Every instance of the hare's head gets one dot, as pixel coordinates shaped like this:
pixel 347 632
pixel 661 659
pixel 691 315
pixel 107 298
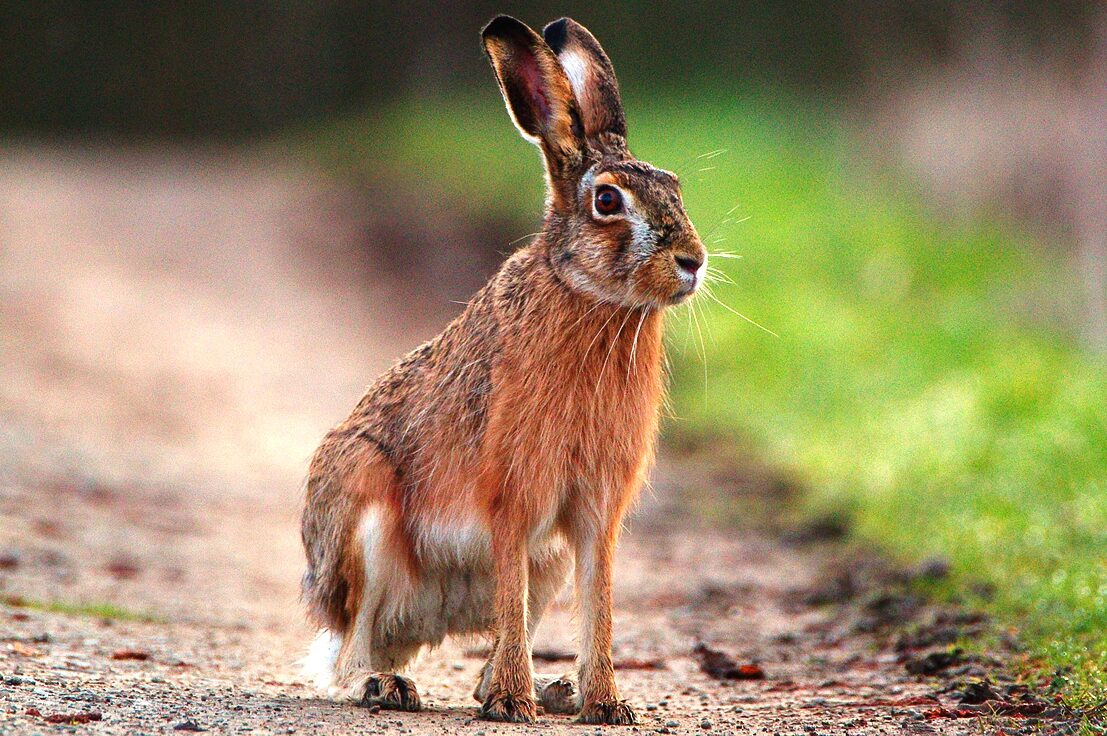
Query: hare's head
pixel 615 226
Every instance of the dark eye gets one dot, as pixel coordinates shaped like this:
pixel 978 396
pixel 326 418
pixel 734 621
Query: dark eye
pixel 608 200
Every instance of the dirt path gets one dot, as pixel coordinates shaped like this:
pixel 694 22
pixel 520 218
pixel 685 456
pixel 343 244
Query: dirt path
pixel 170 358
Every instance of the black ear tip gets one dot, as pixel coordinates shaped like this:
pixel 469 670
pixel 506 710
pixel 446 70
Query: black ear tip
pixel 502 26
pixel 557 34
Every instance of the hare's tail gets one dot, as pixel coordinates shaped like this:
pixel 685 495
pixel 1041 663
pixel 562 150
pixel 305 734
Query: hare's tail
pixel 318 664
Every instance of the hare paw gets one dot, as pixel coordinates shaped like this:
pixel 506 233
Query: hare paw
pixel 501 706
pixel 611 713
pixel 390 692
pixel 558 696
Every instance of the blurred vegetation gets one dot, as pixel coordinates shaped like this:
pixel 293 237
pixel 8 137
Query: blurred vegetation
pixel 227 68
pixel 921 381
pixel 100 610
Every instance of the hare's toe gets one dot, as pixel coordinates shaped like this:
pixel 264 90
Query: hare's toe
pixel 501 706
pixel 611 713
pixel 390 692
pixel 557 695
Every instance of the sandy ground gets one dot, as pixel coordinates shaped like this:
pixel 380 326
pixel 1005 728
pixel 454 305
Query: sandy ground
pixel 178 332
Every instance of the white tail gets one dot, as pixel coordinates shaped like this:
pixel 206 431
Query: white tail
pixel 318 664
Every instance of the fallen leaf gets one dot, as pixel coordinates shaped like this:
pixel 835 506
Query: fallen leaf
pixel 553 655
pixel 188 726
pixel 23 650
pixel 933 663
pixel 722 666
pixel 640 664
pixel 933 715
pixel 73 719
pixel 122 569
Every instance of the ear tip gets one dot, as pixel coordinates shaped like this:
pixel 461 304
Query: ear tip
pixel 502 25
pixel 556 34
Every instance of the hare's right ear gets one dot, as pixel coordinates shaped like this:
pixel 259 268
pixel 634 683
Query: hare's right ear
pixel 536 90
pixel 593 79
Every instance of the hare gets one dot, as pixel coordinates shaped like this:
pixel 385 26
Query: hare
pixel 476 470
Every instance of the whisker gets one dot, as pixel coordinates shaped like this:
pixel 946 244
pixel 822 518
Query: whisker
pixel 736 313
pixel 703 347
pixel 599 331
pixel 718 275
pixel 610 350
pixel 702 157
pixel 707 322
pixel 524 237
pixel 634 343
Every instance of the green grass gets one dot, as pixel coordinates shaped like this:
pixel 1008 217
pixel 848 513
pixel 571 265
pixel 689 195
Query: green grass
pixel 923 380
pixel 86 610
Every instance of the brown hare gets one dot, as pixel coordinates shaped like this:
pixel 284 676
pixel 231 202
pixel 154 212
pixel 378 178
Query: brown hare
pixel 478 468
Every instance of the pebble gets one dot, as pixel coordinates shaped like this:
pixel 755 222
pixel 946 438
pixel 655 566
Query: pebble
pixel 671 724
pixel 705 724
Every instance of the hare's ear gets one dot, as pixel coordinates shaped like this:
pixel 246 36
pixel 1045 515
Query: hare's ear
pixel 592 77
pixel 536 90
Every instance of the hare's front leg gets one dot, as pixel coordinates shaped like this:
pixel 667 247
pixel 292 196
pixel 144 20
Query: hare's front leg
pixel 594 560
pixel 510 694
pixel 546 578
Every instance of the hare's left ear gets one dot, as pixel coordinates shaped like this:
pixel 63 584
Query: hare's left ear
pixel 536 90
pixel 592 77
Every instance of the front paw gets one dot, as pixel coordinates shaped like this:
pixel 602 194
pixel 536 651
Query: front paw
pixel 610 712
pixel 501 706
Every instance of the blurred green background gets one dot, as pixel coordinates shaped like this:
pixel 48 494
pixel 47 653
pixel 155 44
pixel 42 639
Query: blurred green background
pixel 911 196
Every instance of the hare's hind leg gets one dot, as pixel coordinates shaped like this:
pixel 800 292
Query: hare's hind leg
pixel 368 675
pixel 366 670
pixel 382 686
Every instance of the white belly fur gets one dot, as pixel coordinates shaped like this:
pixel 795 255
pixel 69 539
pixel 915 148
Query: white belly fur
pixel 454 591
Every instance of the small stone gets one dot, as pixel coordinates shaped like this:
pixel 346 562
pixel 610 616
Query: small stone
pixel 672 724
pixel 9 559
pixel 651 706
pixel 705 724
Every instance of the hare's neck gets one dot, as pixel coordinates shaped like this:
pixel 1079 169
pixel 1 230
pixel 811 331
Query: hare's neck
pixel 610 343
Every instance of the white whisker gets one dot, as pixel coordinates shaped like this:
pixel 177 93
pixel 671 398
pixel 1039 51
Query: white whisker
pixel 736 313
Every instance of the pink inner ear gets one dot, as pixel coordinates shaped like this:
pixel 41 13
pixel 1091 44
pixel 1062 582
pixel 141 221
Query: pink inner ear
pixel 531 74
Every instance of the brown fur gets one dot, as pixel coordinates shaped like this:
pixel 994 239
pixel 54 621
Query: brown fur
pixel 535 411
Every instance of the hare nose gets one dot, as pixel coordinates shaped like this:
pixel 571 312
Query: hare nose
pixel 689 264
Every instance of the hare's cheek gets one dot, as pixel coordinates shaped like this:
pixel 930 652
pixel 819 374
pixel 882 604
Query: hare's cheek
pixel 652 284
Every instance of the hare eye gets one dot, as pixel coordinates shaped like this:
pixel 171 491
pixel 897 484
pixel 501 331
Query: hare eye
pixel 608 201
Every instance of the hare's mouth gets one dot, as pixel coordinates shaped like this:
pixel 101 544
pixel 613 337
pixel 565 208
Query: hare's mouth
pixel 684 294
pixel 690 272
